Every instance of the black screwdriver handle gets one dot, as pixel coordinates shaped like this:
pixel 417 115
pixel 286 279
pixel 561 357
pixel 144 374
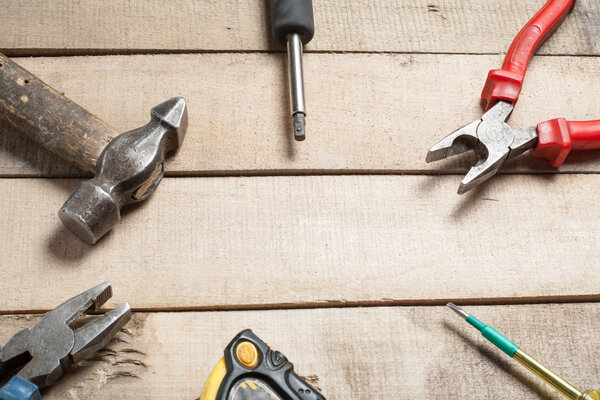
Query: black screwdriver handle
pixel 292 16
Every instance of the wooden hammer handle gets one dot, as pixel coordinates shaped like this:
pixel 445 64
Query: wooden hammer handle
pixel 51 119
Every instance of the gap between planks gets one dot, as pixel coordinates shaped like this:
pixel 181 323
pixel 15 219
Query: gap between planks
pixel 492 301
pixel 22 53
pixel 301 173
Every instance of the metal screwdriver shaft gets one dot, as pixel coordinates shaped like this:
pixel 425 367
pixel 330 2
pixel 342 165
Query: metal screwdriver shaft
pixel 293 26
pixel 511 349
pixel 296 81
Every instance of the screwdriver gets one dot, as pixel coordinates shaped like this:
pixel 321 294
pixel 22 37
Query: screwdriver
pixel 293 26
pixel 504 344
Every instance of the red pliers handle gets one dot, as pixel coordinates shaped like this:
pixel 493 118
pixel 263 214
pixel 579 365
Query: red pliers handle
pixel 557 137
pixel 492 140
pixel 505 84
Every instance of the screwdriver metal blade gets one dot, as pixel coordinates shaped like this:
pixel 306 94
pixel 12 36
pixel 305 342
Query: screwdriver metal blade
pixel 296 83
pixel 299 127
pixel 458 310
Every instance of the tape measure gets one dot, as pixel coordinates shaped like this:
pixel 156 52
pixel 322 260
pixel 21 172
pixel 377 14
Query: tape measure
pixel 250 370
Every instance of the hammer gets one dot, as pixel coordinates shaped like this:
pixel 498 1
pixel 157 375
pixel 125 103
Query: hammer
pixel 128 166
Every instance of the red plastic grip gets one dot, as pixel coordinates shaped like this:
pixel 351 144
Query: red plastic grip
pixel 557 137
pixel 505 84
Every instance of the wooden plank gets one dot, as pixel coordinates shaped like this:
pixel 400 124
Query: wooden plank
pixel 388 112
pixel 212 243
pixel 447 26
pixel 364 353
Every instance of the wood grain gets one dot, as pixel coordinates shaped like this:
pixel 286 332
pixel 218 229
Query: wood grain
pixel 226 243
pixel 384 81
pixel 355 353
pixel 384 117
pixel 61 27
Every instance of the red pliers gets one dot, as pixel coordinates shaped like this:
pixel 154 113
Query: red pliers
pixel 490 137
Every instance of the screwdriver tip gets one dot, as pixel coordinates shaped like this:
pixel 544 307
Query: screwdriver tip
pixel 299 126
pixel 458 310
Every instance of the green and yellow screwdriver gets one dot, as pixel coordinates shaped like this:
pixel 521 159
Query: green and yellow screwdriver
pixel 498 339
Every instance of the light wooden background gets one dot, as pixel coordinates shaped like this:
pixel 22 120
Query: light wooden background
pixel 339 251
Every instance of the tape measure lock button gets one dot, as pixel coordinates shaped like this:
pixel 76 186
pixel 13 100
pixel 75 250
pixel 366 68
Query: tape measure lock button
pixel 278 359
pixel 247 354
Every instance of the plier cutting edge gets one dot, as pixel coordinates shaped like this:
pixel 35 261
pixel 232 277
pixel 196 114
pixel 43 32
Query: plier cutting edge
pixel 492 140
pixel 41 354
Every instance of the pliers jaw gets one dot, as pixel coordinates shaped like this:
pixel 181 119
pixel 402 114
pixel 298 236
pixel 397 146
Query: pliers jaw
pixel 45 351
pixel 458 142
pixel 492 140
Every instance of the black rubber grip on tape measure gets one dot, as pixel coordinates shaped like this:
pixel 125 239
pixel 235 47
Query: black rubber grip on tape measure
pixel 292 16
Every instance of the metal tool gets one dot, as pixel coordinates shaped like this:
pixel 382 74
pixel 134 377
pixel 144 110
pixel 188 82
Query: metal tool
pixel 250 370
pixel 40 355
pixel 512 350
pixel 492 140
pixel 128 166
pixel 293 26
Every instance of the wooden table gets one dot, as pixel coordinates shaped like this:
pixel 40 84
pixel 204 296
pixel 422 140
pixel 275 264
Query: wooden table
pixel 339 251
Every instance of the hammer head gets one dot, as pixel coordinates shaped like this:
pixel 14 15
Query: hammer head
pixel 128 171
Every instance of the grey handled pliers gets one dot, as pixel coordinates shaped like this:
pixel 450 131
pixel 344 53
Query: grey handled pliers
pixel 38 356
